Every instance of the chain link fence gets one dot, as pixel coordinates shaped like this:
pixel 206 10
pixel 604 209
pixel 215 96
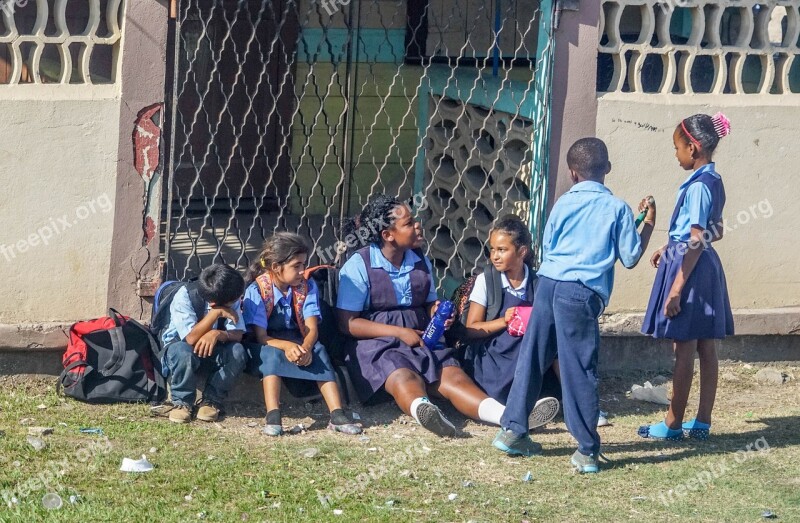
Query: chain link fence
pixel 289 115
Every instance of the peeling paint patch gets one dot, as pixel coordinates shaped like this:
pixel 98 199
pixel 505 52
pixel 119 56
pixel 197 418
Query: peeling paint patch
pixel 146 141
pixel 149 230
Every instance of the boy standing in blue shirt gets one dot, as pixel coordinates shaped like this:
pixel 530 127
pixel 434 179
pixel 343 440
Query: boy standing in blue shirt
pixel 587 232
pixel 212 340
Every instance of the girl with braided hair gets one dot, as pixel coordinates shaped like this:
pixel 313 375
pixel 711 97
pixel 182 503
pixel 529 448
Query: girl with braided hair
pixel 386 297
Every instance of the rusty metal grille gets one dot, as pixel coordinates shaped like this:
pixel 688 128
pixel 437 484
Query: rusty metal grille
pixel 289 115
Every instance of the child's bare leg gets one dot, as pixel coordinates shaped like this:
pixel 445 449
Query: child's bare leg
pixel 557 369
pixel 681 382
pixel 709 374
pixel 405 386
pixel 330 393
pixel 272 392
pixel 461 391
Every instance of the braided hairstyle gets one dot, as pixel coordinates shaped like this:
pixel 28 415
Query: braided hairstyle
pixel 704 131
pixel 280 248
pixel 513 226
pixel 378 215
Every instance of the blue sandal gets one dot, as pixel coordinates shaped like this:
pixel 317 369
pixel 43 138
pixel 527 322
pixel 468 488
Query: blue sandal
pixel 696 429
pixel 660 431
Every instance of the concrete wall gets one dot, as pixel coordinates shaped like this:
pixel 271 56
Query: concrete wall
pixel 73 241
pixel 757 162
pixel 58 147
pixel 134 262
pixel 574 102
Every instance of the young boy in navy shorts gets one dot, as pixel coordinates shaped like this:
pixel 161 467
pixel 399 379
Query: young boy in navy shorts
pixel 587 232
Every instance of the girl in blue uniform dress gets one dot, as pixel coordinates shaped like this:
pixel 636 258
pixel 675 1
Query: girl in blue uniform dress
pixel 281 311
pixel 386 298
pixel 689 302
pixel 491 359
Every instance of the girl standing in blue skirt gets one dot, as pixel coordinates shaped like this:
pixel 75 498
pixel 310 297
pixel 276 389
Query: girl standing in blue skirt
pixel 281 311
pixel 689 303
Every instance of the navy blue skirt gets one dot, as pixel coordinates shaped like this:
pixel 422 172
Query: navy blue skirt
pixel 266 360
pixel 370 362
pixel 705 305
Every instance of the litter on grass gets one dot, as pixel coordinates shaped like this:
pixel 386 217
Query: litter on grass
pixel 651 393
pixel 52 501
pixel 136 465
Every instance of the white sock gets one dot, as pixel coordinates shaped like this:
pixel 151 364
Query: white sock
pixel 415 404
pixel 490 410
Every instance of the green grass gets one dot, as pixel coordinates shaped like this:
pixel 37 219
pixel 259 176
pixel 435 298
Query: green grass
pixel 235 474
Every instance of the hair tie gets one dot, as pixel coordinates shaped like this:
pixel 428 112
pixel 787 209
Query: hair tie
pixel 722 126
pixel 692 138
pixel 263 263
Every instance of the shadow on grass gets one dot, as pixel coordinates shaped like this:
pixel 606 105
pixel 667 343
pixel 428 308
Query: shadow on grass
pixel 779 432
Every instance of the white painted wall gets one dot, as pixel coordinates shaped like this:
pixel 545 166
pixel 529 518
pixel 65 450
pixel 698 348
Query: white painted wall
pixel 58 163
pixel 759 163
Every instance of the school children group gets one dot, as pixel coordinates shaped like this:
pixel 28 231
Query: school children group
pixel 268 322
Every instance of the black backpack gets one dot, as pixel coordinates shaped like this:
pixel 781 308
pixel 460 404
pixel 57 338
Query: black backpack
pixel 327 279
pixel 111 359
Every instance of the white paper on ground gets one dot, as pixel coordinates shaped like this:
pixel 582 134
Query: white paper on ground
pixel 136 465
pixel 650 393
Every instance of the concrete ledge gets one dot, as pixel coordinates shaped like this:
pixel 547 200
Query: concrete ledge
pixel 27 336
pixel 749 322
pixel 619 355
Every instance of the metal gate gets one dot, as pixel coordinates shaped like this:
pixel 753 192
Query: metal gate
pixel 289 114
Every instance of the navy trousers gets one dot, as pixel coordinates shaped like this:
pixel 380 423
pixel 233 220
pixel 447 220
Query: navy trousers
pixel 564 322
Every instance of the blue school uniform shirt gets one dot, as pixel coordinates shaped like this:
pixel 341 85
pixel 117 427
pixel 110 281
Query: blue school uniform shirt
pixel 480 296
pixel 696 208
pixel 183 318
pixel 587 231
pixel 255 313
pixel 354 282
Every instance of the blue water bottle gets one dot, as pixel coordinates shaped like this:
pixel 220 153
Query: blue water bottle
pixel 435 330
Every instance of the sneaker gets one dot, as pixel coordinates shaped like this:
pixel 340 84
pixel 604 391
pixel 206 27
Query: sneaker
pixel 602 420
pixel 208 412
pixel 345 428
pixel 180 414
pixel 543 413
pixel 516 445
pixel 161 410
pixel 585 464
pixel 431 418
